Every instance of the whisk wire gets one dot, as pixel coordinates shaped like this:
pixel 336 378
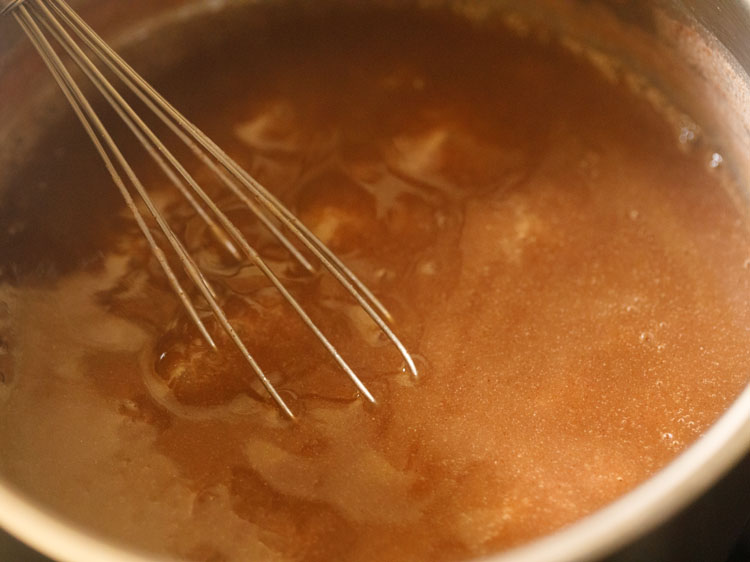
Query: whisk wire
pixel 113 97
pixel 107 55
pixel 140 128
pixel 89 120
pixel 330 261
pixel 97 133
pixel 52 14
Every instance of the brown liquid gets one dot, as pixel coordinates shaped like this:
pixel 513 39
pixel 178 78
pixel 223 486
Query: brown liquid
pixel 570 276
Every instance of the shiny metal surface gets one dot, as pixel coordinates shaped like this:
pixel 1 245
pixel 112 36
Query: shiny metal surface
pixel 53 22
pixel 7 5
pixel 710 41
pixel 728 21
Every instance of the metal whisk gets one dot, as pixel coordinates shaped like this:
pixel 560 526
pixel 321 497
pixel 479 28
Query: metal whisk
pixel 48 22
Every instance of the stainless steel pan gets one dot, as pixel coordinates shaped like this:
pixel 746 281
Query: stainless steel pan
pixel 698 50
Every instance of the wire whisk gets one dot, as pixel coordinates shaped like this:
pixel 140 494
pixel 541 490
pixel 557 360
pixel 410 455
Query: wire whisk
pixel 53 22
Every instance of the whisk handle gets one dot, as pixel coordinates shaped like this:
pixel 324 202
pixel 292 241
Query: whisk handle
pixel 7 5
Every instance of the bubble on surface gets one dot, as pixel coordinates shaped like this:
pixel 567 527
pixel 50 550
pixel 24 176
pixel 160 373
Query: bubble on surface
pixel 689 133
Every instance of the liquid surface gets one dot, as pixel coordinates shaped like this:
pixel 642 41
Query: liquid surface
pixel 568 270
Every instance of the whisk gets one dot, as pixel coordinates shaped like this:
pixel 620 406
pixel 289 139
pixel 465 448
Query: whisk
pixel 53 22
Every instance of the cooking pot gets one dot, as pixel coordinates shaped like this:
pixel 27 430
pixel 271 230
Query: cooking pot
pixel 696 50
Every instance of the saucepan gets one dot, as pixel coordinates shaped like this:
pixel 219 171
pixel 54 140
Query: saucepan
pixel 698 50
